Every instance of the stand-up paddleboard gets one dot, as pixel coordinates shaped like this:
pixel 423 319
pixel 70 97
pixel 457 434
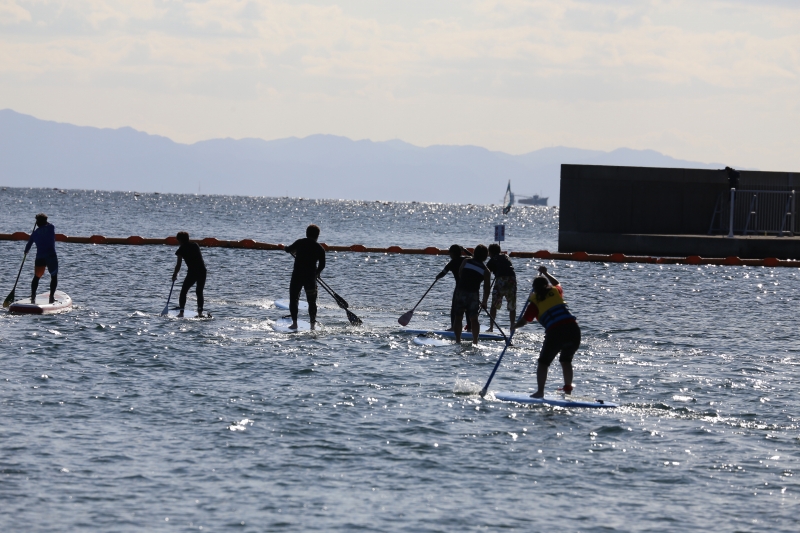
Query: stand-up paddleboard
pixel 422 340
pixel 42 306
pixel 173 313
pixel 282 325
pixel 519 397
pixel 465 336
pixel 284 304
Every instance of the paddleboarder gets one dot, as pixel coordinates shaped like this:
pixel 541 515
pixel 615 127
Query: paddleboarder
pixel 309 262
pixel 195 271
pixel 505 284
pixel 466 297
pixel 561 331
pixel 454 266
pixel 44 236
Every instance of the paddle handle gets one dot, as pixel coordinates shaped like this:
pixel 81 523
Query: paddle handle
pixel 485 388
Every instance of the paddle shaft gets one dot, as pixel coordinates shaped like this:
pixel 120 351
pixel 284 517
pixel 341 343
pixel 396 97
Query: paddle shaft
pixel 424 295
pixel 24 256
pixel 485 388
pixel 341 302
pixel 166 307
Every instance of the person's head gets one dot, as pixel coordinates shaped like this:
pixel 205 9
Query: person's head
pixel 480 253
pixel 312 232
pixel 41 219
pixel 540 287
pixel 494 250
pixel 182 237
pixel 455 251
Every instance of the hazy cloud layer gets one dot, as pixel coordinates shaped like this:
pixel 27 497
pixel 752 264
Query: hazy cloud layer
pixel 710 80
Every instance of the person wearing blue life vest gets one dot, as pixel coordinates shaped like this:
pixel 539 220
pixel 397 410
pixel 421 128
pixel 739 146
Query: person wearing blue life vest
pixel 466 298
pixel 561 331
pixel 44 236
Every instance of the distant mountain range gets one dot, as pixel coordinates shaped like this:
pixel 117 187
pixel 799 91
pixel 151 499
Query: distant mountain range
pixel 39 153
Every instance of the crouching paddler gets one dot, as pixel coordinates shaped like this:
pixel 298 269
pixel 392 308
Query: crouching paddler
pixel 561 331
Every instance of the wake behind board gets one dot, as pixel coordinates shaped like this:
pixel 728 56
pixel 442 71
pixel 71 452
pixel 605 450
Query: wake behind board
pixel 422 340
pixel 284 304
pixel 465 336
pixel 42 306
pixel 282 326
pixel 519 397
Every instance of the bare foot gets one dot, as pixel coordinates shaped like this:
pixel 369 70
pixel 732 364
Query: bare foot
pixel 180 315
pixel 293 326
pixel 537 394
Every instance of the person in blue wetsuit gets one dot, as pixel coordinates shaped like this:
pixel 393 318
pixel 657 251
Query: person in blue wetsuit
pixel 561 330
pixel 467 295
pixel 44 236
pixel 195 271
pixel 309 262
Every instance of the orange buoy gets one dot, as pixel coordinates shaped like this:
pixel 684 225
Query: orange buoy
pixel 135 239
pixel 358 248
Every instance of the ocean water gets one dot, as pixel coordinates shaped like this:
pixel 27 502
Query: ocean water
pixel 115 419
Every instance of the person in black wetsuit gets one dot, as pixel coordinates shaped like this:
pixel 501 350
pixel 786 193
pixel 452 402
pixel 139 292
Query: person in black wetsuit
pixel 196 271
pixel 466 298
pixel 44 236
pixel 453 266
pixel 309 262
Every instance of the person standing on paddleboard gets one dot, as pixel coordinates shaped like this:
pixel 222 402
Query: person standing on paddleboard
pixel 561 330
pixel 195 271
pixel 309 262
pixel 466 297
pixel 454 266
pixel 505 284
pixel 44 236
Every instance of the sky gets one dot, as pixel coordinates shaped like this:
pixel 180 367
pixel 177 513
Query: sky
pixel 698 80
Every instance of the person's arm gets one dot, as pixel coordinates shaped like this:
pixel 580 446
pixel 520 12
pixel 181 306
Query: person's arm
pixel 321 265
pixel 553 281
pixel 531 313
pixel 292 248
pixel 444 271
pixel 487 281
pixel 177 268
pixel 30 243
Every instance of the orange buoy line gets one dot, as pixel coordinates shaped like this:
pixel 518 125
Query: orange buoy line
pixel 210 242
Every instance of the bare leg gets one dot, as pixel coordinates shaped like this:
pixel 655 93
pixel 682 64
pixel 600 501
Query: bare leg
pixel 512 320
pixel 566 367
pixel 492 315
pixel 476 328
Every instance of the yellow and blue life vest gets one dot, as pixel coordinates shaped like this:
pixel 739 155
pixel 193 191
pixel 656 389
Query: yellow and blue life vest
pixel 552 310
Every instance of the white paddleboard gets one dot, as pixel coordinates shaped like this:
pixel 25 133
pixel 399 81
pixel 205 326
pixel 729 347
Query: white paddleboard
pixel 465 336
pixel 422 340
pixel 284 304
pixel 520 397
pixel 282 325
pixel 42 306
pixel 173 313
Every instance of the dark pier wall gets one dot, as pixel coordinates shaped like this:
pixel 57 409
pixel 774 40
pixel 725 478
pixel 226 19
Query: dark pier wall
pixel 607 209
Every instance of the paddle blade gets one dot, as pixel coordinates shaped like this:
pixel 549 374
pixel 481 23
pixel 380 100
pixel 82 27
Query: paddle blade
pixel 9 299
pixel 165 312
pixel 406 318
pixel 354 320
pixel 483 392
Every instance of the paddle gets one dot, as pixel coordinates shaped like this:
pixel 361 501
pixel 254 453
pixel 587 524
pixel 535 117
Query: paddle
pixel 341 302
pixel 485 388
pixel 165 312
pixel 406 318
pixel 10 298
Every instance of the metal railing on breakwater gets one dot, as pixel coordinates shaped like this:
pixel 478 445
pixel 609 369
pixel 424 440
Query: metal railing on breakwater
pixel 250 244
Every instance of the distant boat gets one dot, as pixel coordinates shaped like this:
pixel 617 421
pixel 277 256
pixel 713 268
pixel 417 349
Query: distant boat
pixel 508 201
pixel 533 200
